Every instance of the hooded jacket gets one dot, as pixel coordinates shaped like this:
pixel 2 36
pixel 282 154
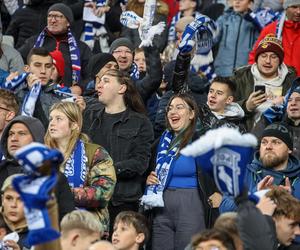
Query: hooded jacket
pixel 255 172
pixel 9 166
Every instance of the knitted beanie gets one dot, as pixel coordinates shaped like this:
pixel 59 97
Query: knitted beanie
pixel 98 61
pixel 64 9
pixel 59 62
pixel 121 42
pixel 270 44
pixel 280 131
pixel 289 3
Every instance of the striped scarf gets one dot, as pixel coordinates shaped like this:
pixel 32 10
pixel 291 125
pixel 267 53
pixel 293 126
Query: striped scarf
pixel 74 53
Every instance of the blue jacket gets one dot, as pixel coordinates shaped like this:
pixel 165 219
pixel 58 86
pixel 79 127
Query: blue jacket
pixel 255 172
pixel 237 37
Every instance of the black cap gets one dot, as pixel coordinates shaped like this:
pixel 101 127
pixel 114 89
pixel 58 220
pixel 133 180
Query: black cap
pixel 281 131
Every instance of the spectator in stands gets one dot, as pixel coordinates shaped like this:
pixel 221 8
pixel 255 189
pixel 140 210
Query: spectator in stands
pixel 122 49
pixel 213 239
pixel 102 245
pixel 270 72
pixel 21 131
pixel 88 167
pixel 121 127
pixel 161 14
pixel 13 212
pixel 8 108
pixel 237 36
pixel 287 30
pixel 10 59
pixel 171 190
pixel 79 230
pixel 40 69
pixel 292 118
pixel 273 164
pixel 29 19
pixel 221 110
pixel 131 231
pixel 58 36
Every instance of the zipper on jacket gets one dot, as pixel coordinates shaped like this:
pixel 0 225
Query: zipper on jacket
pixel 237 41
pixel 226 33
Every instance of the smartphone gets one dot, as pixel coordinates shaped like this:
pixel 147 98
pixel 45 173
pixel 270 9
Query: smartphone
pixel 262 88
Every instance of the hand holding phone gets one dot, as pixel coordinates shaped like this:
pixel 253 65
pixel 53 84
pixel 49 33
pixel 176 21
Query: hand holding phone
pixel 261 88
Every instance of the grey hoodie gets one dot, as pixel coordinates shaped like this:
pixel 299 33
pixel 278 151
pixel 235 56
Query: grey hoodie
pixel 34 125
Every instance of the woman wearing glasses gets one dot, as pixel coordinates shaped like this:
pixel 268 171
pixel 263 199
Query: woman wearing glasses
pixel 88 167
pixel 175 189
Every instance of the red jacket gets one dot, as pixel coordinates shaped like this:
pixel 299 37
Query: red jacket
pixel 290 43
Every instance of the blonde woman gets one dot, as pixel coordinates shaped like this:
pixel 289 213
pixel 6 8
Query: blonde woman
pixel 88 167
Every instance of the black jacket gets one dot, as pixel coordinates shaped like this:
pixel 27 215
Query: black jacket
pixel 129 146
pixel 32 18
pixel 50 44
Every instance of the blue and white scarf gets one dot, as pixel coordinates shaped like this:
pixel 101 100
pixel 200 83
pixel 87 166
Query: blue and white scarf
pixel 146 30
pixel 96 29
pixel 74 53
pixel 153 196
pixel 34 189
pixel 30 100
pixel 15 82
pixel 76 166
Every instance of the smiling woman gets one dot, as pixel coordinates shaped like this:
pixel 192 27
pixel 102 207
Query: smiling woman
pixel 176 182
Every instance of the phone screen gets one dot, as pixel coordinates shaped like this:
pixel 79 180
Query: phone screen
pixel 262 88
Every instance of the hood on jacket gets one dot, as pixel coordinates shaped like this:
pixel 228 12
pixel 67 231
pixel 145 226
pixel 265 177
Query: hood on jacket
pixel 34 125
pixel 292 170
pixel 231 110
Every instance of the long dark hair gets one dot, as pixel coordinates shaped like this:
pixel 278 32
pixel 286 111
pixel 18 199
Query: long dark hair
pixel 190 130
pixel 132 98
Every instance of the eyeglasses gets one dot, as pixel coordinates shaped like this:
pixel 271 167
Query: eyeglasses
pixel 176 108
pixel 56 17
pixel 118 52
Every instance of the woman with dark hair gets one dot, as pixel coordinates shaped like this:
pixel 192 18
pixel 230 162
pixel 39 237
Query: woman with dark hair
pixel 177 191
pixel 125 132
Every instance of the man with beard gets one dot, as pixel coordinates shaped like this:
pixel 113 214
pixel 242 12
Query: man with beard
pixel 273 164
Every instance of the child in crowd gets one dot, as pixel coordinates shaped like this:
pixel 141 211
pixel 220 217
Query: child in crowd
pixel 130 231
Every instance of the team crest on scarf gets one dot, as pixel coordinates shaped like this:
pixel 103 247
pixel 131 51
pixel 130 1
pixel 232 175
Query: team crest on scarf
pixel 226 170
pixel 224 154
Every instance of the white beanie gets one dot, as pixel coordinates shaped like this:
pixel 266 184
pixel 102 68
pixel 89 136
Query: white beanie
pixel 289 3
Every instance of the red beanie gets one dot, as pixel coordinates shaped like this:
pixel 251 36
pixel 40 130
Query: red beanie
pixel 270 44
pixel 59 62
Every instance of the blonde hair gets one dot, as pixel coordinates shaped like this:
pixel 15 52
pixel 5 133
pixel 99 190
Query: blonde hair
pixel 74 115
pixel 80 220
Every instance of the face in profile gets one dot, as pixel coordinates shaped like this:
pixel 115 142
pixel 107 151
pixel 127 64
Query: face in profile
pixel 286 230
pixel 13 208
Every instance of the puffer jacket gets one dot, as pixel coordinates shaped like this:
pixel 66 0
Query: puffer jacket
pixel 234 119
pixel 237 37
